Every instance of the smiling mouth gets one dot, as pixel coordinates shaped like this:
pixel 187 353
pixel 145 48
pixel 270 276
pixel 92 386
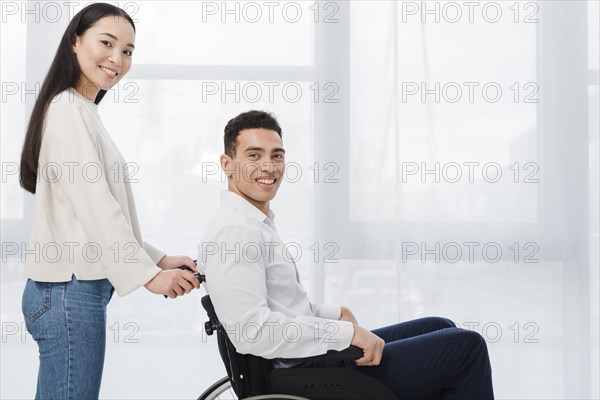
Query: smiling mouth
pixel 266 181
pixel 109 71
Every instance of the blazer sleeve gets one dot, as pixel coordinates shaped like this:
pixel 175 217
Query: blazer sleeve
pixel 96 210
pixel 155 254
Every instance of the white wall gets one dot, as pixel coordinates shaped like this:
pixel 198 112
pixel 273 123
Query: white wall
pixel 380 230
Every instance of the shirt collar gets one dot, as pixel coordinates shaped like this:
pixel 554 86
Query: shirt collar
pixel 236 201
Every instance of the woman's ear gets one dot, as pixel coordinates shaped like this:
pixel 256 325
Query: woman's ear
pixel 75 42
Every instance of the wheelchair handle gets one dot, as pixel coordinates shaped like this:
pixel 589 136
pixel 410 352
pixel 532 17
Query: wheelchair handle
pixel 198 275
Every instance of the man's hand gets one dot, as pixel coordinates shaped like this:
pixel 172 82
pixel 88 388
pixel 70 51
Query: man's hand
pixel 170 262
pixel 348 316
pixel 173 283
pixel 371 344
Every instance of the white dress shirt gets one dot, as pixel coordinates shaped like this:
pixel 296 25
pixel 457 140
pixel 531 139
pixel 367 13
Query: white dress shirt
pixel 255 288
pixel 85 219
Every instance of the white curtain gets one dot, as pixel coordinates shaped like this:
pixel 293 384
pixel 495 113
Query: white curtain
pixel 442 160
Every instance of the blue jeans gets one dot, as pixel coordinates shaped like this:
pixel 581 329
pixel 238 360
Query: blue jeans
pixel 68 322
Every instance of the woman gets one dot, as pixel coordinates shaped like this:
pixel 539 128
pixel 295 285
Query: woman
pixel 86 238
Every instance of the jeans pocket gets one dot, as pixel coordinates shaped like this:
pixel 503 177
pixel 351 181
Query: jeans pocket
pixel 36 299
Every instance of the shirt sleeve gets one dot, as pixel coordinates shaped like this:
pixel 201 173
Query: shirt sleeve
pixel 236 282
pixel 326 311
pixel 97 212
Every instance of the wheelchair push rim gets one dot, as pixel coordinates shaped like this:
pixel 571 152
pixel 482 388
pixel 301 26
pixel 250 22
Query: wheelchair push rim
pixel 221 389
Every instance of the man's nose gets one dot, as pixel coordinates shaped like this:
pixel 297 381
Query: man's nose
pixel 267 166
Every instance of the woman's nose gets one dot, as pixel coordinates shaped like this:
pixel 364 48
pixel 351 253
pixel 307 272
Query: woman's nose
pixel 116 58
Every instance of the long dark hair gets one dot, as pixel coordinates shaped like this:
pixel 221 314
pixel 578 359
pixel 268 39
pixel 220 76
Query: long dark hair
pixel 64 73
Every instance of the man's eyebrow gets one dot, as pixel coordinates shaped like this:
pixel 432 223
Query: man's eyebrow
pixel 254 148
pixel 116 38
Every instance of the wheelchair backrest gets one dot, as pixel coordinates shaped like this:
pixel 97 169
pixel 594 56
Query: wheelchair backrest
pixel 249 374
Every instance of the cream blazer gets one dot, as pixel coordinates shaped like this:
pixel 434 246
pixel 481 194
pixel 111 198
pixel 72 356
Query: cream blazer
pixel 85 219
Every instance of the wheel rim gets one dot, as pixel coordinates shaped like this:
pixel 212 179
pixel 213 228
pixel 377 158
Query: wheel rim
pixel 220 390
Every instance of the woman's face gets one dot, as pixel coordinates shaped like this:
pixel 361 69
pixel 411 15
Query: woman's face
pixel 104 54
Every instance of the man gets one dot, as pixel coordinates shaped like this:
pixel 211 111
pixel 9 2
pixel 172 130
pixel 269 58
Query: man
pixel 260 301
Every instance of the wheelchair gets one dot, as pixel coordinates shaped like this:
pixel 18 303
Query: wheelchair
pixel 254 378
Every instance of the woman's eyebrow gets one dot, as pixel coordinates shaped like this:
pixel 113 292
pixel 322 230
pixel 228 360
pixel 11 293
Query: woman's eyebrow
pixel 116 38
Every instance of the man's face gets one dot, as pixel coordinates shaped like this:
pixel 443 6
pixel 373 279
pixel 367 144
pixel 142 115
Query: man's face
pixel 256 170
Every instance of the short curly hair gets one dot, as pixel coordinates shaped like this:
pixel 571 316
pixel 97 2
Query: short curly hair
pixel 249 120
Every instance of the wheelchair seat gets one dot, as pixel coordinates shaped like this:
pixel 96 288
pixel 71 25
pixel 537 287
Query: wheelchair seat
pixel 250 375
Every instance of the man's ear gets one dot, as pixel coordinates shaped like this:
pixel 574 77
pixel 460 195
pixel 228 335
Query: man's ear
pixel 226 162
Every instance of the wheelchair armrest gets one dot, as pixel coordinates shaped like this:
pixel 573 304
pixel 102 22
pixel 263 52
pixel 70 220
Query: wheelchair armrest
pixel 350 353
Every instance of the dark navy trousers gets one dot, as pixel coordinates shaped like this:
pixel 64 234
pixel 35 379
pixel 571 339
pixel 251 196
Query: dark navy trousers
pixel 430 358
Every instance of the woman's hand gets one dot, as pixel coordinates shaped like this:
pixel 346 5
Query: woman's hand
pixel 170 262
pixel 173 283
pixel 348 316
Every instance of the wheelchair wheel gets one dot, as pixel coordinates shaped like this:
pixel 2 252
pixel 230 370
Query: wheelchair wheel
pixel 221 390
pixel 276 397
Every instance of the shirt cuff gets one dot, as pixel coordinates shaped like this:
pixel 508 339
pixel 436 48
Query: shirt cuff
pixel 342 339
